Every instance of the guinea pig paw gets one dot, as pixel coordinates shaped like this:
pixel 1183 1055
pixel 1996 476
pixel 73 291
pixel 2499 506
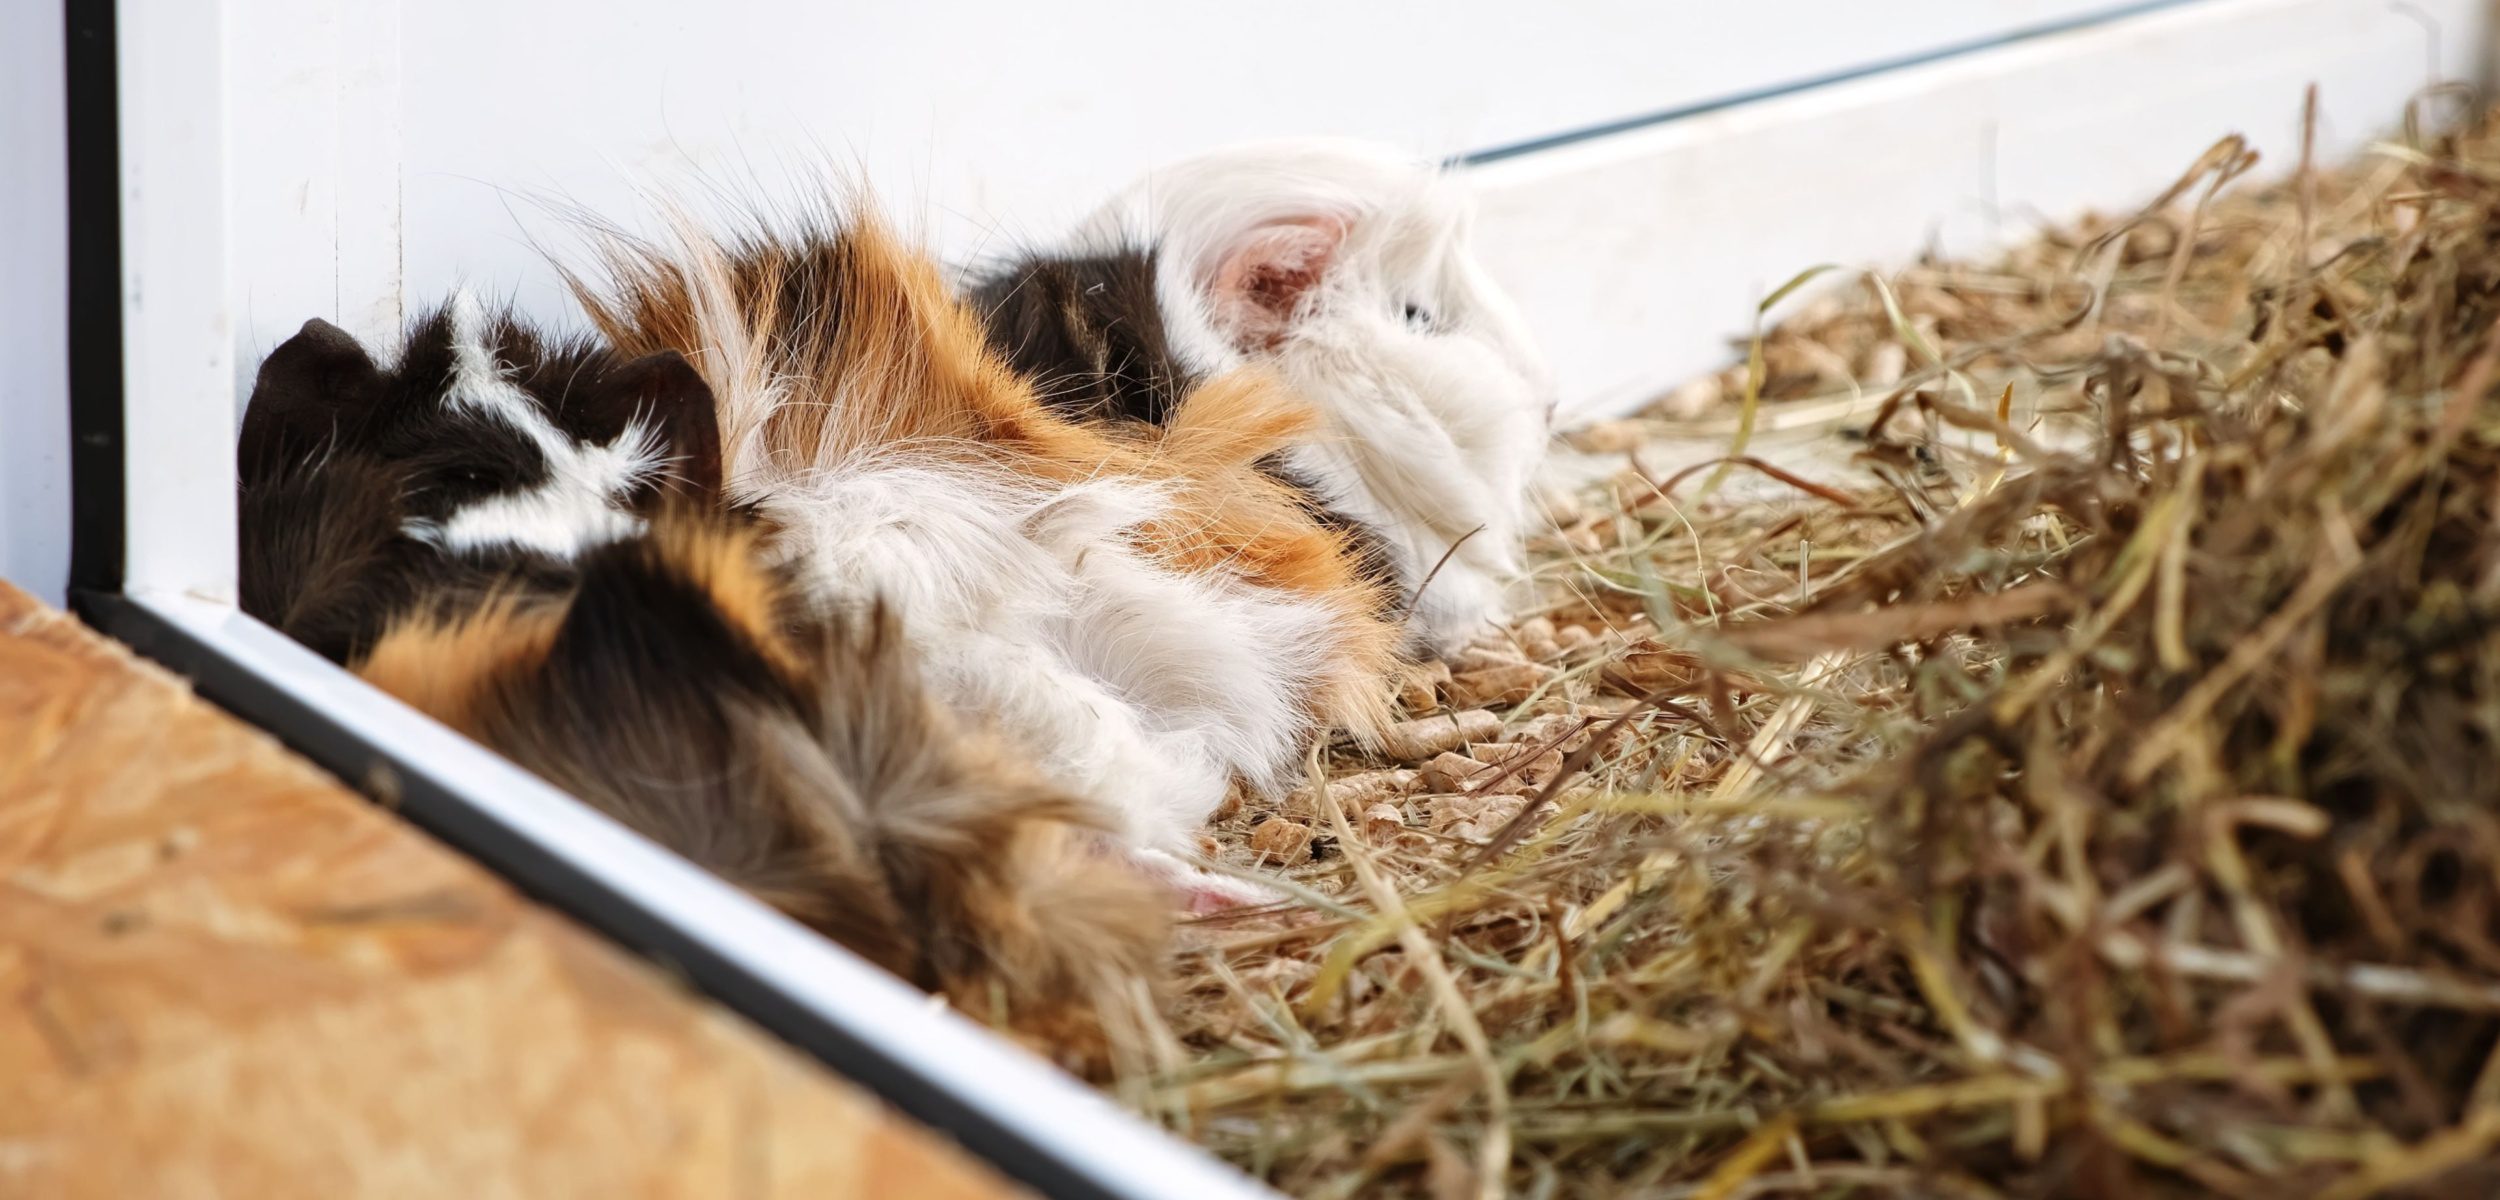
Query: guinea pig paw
pixel 1199 892
pixel 1211 894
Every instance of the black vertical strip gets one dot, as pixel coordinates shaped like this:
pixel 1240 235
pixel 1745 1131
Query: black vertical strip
pixel 97 476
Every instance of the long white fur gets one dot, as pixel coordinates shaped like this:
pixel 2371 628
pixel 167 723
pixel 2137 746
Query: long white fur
pixel 581 504
pixel 1145 688
pixel 1431 434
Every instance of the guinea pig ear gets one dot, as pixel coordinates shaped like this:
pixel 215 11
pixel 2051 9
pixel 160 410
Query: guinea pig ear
pixel 310 391
pixel 1261 279
pixel 668 396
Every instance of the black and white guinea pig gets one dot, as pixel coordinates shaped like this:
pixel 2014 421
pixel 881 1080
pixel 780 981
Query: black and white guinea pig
pixel 1345 268
pixel 525 539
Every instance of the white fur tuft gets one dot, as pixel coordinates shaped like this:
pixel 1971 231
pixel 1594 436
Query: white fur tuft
pixel 581 503
pixel 1142 687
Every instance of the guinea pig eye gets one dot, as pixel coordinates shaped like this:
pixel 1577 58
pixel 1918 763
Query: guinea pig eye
pixel 1418 317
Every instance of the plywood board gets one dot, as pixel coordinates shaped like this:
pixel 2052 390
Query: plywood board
pixel 222 974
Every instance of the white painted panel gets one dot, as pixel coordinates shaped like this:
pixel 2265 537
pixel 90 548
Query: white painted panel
pixel 370 111
pixel 34 286
pixel 980 116
pixel 284 166
pixel 314 118
pixel 1640 256
pixel 177 329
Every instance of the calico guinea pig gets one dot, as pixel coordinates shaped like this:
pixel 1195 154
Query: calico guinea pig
pixel 525 539
pixel 1140 610
pixel 1343 267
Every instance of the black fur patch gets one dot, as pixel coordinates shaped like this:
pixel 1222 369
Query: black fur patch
pixel 1088 332
pixel 607 647
pixel 314 393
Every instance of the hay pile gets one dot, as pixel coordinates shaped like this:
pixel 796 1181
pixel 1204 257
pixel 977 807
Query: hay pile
pixel 2076 771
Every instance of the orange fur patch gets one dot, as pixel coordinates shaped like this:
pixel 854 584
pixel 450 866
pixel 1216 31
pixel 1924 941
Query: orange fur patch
pixel 443 668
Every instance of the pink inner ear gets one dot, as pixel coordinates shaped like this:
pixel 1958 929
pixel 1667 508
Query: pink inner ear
pixel 1261 282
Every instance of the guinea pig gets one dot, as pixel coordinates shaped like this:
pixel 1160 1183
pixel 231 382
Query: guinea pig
pixel 1140 610
pixel 1344 268
pixel 526 540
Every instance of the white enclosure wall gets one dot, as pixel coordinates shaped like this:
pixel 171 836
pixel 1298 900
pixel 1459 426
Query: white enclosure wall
pixel 359 169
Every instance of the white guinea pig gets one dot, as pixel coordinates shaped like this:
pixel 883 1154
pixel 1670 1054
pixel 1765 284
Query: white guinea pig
pixel 1344 267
